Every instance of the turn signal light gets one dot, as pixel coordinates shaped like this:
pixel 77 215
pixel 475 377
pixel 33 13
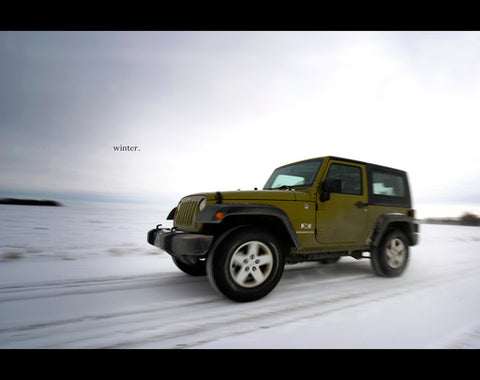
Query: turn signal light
pixel 219 215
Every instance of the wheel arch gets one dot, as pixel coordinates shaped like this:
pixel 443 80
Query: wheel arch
pixel 390 222
pixel 235 216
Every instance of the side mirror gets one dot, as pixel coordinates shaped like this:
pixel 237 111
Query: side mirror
pixel 330 186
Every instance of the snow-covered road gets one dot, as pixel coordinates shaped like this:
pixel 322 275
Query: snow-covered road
pixel 98 290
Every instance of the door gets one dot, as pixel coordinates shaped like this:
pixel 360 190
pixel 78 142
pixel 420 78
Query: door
pixel 343 217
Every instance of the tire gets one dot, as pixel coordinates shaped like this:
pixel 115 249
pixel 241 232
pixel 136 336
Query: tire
pixel 246 265
pixel 196 269
pixel 391 256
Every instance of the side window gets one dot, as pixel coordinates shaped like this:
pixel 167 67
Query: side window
pixel 388 184
pixel 351 177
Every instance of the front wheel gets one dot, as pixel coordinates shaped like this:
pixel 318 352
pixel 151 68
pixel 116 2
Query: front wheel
pixel 390 258
pixel 247 265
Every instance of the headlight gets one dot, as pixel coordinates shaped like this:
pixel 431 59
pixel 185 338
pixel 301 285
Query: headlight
pixel 202 204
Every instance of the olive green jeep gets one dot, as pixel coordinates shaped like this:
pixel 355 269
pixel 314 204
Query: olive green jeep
pixel 318 209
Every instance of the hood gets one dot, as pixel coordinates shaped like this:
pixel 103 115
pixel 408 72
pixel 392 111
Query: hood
pixel 251 195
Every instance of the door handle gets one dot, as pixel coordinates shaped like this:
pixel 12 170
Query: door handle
pixel 361 204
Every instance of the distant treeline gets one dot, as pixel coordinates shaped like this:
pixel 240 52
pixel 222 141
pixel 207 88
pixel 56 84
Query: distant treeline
pixel 29 202
pixel 467 219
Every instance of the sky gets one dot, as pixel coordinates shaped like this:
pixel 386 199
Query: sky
pixel 220 110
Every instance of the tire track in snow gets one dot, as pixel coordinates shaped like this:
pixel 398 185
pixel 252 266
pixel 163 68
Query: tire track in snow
pixel 198 320
pixel 85 286
pixel 63 332
pixel 277 312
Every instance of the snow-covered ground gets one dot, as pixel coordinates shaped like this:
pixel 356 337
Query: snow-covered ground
pixel 85 277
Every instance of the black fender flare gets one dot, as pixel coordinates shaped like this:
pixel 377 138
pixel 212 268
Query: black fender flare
pixel 210 213
pixel 386 220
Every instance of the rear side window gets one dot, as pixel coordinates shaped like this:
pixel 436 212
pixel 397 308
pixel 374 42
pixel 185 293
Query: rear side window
pixel 388 187
pixel 387 184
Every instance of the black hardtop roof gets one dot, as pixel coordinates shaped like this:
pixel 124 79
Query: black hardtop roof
pixel 348 160
pixel 364 163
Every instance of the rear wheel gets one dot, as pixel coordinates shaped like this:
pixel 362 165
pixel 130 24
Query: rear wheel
pixel 247 264
pixel 390 258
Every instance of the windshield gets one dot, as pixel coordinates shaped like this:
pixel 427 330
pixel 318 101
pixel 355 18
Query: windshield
pixel 299 174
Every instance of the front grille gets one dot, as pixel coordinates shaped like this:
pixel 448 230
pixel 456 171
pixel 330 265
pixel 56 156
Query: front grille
pixel 187 210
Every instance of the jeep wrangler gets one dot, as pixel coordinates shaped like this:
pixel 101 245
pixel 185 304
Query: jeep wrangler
pixel 318 209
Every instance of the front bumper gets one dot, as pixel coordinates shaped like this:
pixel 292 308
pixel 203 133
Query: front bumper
pixel 178 243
